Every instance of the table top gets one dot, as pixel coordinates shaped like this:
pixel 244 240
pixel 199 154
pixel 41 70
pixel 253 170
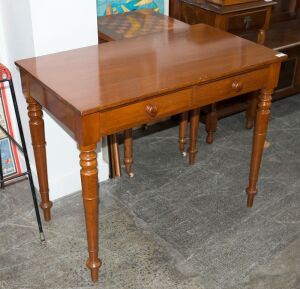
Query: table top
pixel 230 8
pixel 134 24
pixel 116 73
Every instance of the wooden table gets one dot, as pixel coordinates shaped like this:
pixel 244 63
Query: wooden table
pixel 236 19
pixel 100 90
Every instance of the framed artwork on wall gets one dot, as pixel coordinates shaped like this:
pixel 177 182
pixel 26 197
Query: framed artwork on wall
pixel 109 7
pixel 9 154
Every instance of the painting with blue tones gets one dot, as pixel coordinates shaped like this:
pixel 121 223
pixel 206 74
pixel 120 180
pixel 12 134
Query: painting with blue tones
pixel 109 7
pixel 8 164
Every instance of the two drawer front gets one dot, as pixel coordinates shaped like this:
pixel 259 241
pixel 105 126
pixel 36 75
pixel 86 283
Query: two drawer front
pixel 145 111
pixel 229 87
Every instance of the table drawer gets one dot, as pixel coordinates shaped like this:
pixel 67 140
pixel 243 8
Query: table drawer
pixel 247 21
pixel 145 111
pixel 229 87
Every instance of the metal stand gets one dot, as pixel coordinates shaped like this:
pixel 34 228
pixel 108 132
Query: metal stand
pixel 5 76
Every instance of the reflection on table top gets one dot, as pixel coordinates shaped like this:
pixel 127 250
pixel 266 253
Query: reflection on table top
pixel 120 72
pixel 134 24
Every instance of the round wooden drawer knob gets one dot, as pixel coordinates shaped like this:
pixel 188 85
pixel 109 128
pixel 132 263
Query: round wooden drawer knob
pixel 237 86
pixel 151 109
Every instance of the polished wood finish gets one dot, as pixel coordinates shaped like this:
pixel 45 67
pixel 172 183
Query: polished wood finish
pixel 128 159
pixel 263 113
pixel 183 132
pixel 90 195
pixel 282 36
pixel 251 110
pixel 230 2
pixel 260 131
pixel 145 111
pixel 134 24
pixel 194 115
pixel 215 11
pixel 188 65
pixel 36 125
pixel 130 25
pixel 115 155
pixel 211 123
pixel 236 17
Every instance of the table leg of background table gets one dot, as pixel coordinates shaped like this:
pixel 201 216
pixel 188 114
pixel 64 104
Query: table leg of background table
pixel 251 110
pixel 261 37
pixel 211 123
pixel 115 155
pixel 183 123
pixel 260 131
pixel 128 151
pixel 194 125
pixel 90 194
pixel 37 131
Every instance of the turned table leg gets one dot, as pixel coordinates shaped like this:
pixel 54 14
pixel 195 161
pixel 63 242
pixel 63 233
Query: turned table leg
pixel 128 151
pixel 194 125
pixel 90 194
pixel 211 123
pixel 261 37
pixel 37 131
pixel 260 131
pixel 251 110
pixel 114 155
pixel 183 123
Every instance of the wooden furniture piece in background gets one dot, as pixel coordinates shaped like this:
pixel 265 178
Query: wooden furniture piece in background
pixel 236 17
pixel 230 2
pixel 177 71
pixel 284 36
pixel 124 26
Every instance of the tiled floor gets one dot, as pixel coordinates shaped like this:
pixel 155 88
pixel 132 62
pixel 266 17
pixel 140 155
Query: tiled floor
pixel 172 226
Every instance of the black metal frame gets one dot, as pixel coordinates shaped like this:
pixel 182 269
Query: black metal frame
pixel 23 149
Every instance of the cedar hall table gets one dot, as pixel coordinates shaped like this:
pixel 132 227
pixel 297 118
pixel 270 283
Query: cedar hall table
pixel 100 90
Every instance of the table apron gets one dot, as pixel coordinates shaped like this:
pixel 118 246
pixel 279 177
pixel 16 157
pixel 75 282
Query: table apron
pixel 145 111
pixel 230 87
pixel 159 107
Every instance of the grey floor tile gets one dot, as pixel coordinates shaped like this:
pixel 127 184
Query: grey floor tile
pixel 172 225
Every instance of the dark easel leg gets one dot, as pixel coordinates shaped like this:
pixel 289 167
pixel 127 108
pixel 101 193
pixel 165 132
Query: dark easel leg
pixel 260 131
pixel 28 168
pixel 110 160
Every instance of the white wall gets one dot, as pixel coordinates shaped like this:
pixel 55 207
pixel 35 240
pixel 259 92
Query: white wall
pixel 166 7
pixel 38 27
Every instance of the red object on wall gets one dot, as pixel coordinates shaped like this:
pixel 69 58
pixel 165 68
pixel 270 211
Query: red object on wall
pixel 6 75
